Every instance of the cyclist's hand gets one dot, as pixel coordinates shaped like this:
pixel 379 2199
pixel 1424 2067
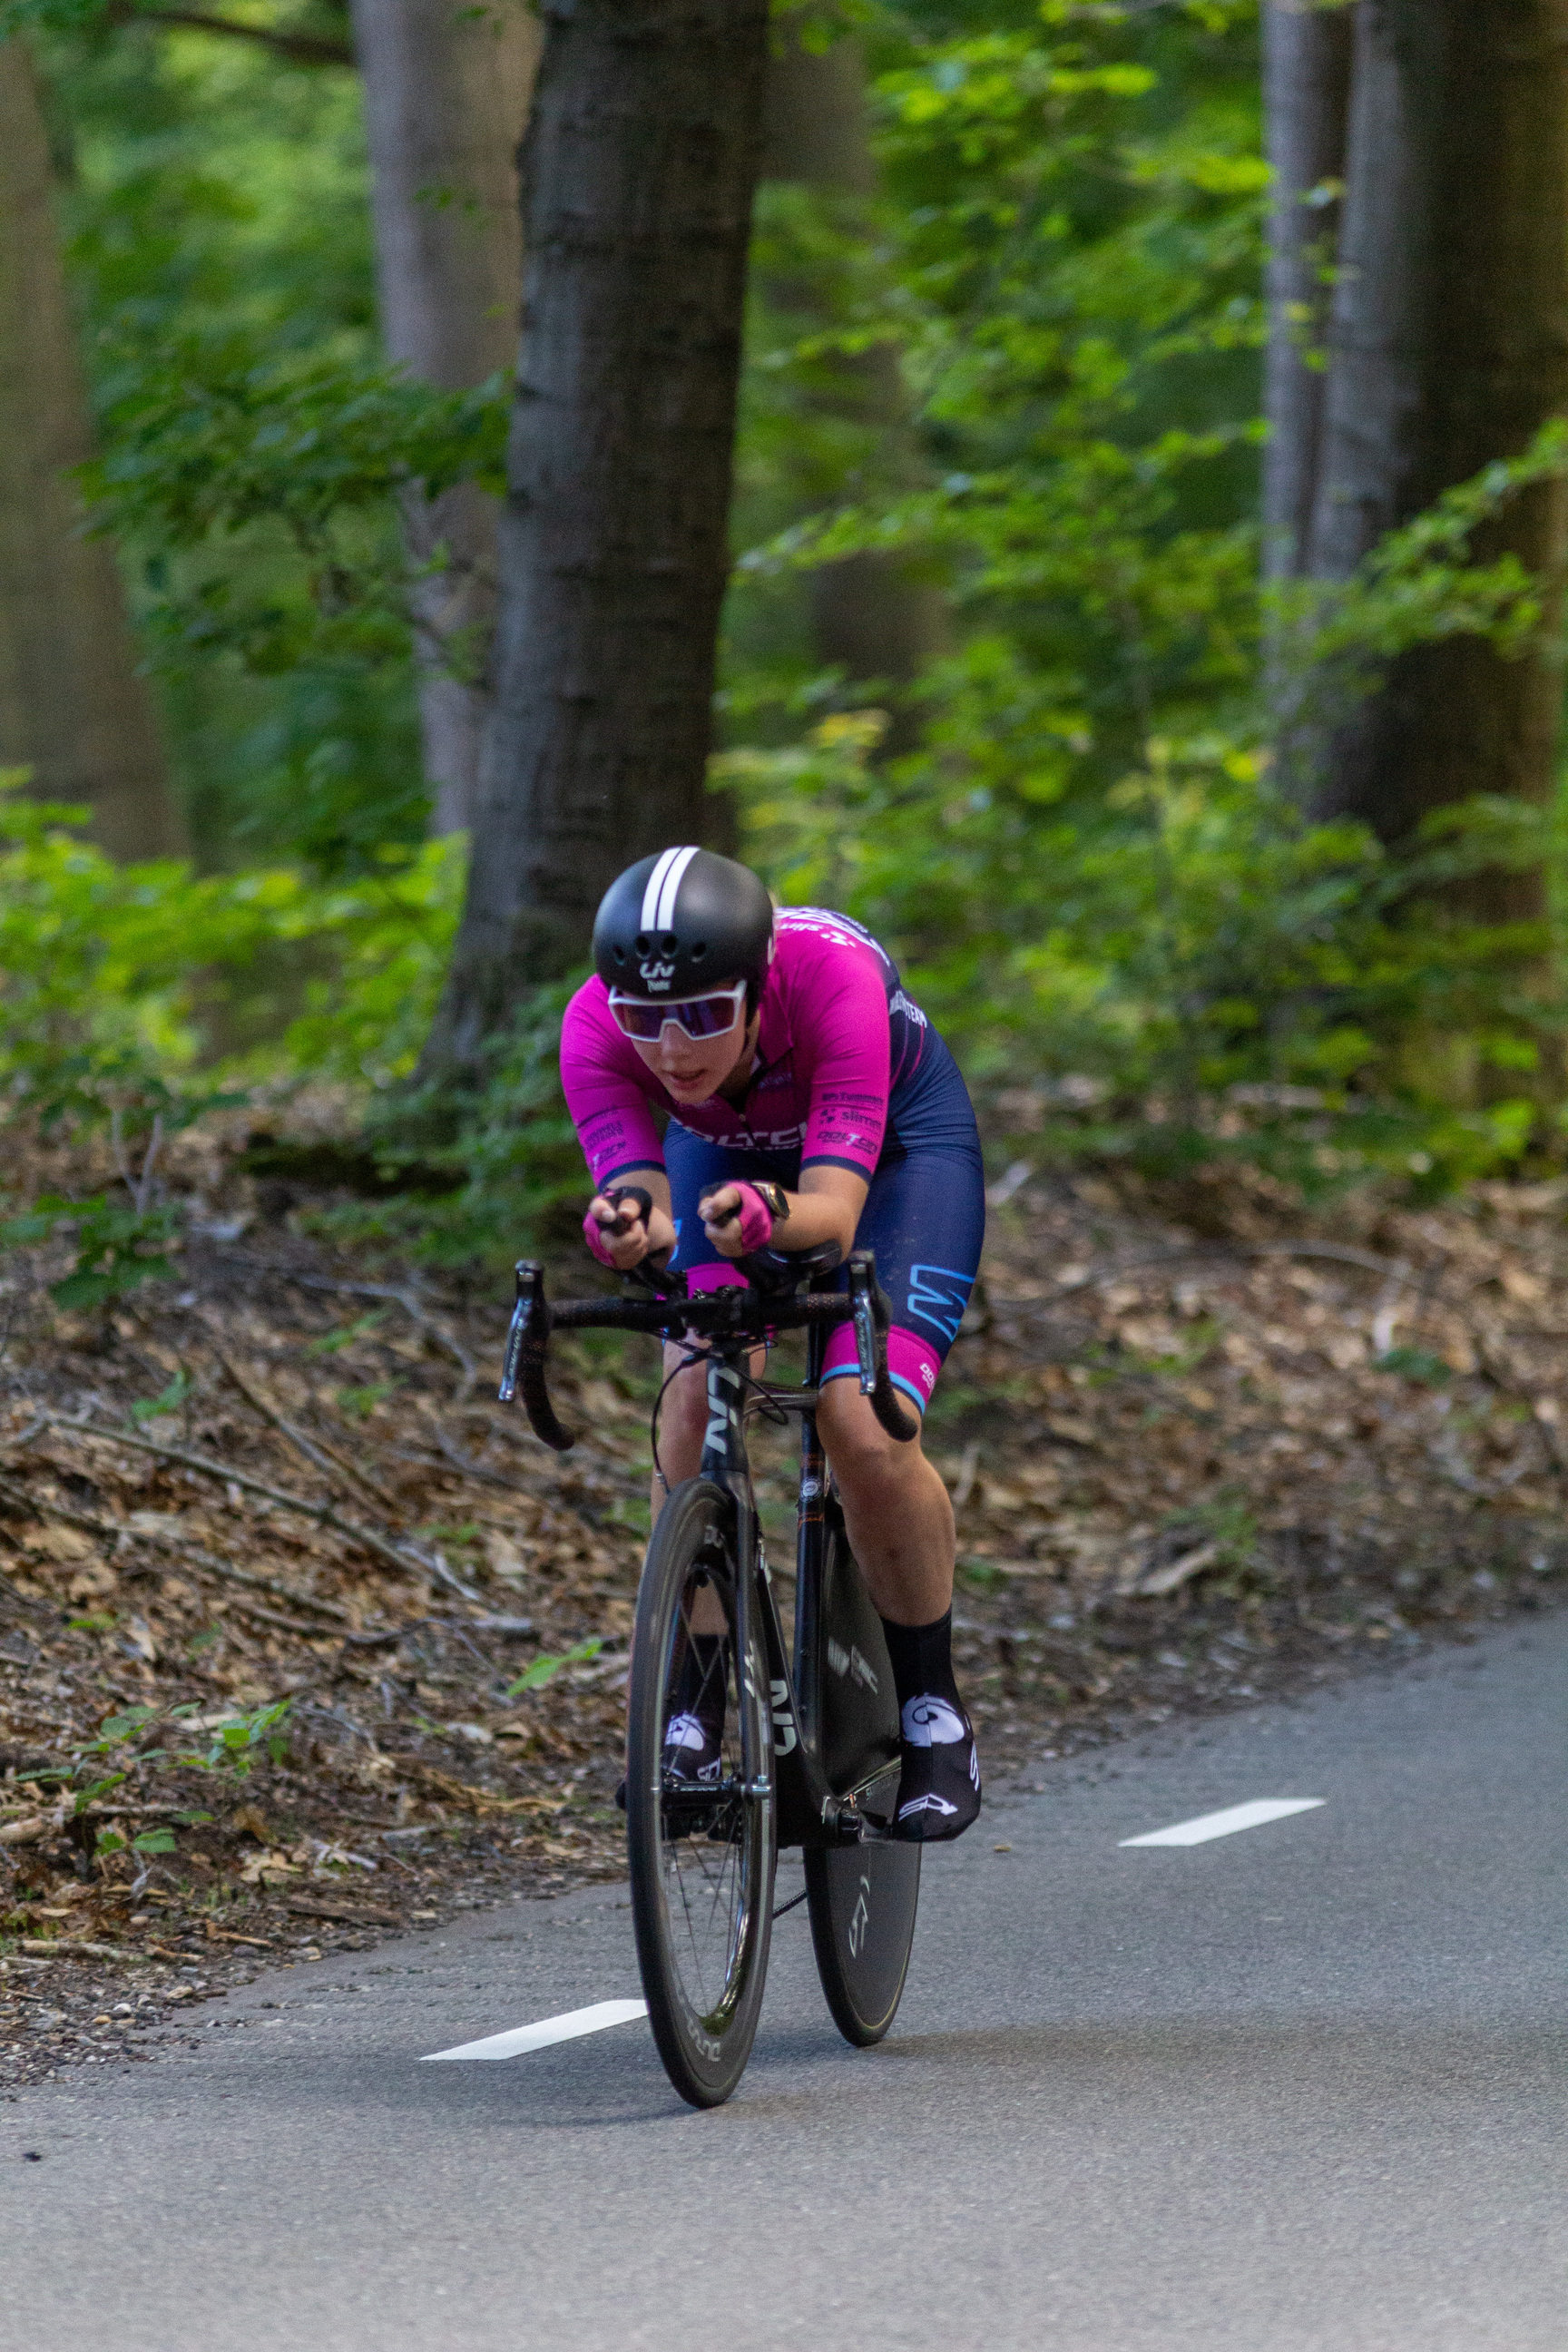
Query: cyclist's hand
pixel 735 1220
pixel 624 1226
pixel 618 1233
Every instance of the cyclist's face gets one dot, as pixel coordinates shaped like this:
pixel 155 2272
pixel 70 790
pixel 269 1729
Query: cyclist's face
pixel 691 1068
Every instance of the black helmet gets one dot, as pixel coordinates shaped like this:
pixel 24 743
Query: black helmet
pixel 681 922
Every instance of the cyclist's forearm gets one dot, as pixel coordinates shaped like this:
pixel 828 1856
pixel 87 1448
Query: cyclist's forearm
pixel 825 1209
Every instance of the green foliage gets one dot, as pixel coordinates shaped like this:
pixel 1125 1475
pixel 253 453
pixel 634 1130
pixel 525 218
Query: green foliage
pixel 546 1667
pixel 303 458
pixel 236 1745
pixel 214 198
pixel 1181 968
pixel 1097 881
pixel 100 964
pixel 118 1246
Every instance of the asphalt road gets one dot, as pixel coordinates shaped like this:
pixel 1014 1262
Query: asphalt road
pixel 1302 2086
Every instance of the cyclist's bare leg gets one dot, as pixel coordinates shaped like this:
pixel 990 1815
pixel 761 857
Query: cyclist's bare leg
pixel 897 1510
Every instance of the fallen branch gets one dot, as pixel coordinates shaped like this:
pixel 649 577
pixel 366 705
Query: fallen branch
pixel 321 1514
pixel 116 1532
pixel 73 1948
pixel 317 1452
pixel 1339 1253
pixel 28 1829
pixel 307 1907
pixel 399 1298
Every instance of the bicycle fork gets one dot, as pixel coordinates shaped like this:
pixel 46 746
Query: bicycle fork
pixel 724 1462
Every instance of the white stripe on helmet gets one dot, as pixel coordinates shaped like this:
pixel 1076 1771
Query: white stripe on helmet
pixel 664 887
pixel 650 891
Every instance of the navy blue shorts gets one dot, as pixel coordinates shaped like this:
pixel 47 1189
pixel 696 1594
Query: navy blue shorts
pixel 924 1217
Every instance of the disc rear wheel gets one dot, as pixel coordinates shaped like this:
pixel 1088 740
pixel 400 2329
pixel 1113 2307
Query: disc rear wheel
pixel 701 1840
pixel 862 1898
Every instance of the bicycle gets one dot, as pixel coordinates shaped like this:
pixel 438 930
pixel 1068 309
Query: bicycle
pixel 809 1753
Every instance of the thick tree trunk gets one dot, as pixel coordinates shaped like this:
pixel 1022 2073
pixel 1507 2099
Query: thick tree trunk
pixel 638 173
pixel 72 706
pixel 1306 97
pixel 871 616
pixel 1450 349
pixel 447 92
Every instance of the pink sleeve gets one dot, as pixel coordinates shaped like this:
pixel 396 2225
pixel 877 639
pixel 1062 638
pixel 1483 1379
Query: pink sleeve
pixel 841 1020
pixel 609 1109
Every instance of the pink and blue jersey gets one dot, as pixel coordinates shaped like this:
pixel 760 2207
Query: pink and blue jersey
pixel 839 1042
pixel 848 1074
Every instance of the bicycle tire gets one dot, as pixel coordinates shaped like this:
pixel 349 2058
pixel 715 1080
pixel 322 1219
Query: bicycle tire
pixel 702 1864
pixel 862 1899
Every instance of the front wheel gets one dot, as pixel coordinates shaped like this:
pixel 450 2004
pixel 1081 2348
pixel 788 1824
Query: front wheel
pixel 702 1844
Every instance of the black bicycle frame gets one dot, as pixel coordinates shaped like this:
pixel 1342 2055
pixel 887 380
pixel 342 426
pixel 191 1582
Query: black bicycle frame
pixel 811 1813
pixel 733 1322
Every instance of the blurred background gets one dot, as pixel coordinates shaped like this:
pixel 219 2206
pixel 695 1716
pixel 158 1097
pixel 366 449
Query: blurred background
pixel 1144 562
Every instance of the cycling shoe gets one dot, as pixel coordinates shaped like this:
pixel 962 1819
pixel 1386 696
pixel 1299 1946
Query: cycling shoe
pixel 691 1756
pixel 939 1785
pixel 691 1751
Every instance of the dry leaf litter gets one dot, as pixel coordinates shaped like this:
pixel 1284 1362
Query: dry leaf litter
pixel 1199 1454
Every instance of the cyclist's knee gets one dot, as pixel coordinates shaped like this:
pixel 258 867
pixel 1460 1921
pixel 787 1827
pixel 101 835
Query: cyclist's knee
pixel 859 1447
pixel 685 1407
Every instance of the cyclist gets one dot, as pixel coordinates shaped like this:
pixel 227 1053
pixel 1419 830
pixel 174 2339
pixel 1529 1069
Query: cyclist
pixel 806 1099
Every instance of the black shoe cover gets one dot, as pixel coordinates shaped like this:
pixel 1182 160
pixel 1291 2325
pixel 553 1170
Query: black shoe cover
pixel 691 1751
pixel 938 1789
pixel 691 1756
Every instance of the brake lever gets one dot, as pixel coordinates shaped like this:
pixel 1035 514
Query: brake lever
pixel 871 1316
pixel 526 1339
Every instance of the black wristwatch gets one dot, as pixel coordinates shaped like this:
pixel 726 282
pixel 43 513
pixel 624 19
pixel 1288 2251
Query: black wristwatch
pixel 773 1196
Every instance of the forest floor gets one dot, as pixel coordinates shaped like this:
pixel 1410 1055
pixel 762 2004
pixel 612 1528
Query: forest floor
pixel 1202 1451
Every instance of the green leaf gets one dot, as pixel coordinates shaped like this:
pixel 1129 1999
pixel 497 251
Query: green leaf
pixel 544 1669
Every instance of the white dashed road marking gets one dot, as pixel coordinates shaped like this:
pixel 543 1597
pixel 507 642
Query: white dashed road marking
pixel 1234 1817
pixel 564 2028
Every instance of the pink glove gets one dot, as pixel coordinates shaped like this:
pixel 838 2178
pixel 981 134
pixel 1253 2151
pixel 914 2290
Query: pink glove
pixel 756 1219
pixel 631 1203
pixel 597 1237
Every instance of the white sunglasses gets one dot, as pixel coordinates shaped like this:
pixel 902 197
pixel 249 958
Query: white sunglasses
pixel 700 1018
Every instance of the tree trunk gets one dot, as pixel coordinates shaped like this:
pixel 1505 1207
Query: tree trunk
pixel 871 616
pixel 639 168
pixel 1306 97
pixel 446 92
pixel 1450 349
pixel 72 706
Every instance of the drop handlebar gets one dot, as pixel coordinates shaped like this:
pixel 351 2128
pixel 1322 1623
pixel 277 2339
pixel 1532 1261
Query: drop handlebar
pixel 731 1313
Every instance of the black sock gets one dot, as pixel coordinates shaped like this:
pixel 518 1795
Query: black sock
pixel 938 1782
pixel 922 1659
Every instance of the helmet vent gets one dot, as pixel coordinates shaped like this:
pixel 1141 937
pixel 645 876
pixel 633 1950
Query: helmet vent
pixel 643 944
pixel 670 945
pixel 699 949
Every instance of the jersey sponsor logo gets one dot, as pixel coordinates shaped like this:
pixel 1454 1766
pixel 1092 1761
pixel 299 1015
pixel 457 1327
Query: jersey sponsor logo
pixel 900 1002
pixel 939 1295
pixel 931 1722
